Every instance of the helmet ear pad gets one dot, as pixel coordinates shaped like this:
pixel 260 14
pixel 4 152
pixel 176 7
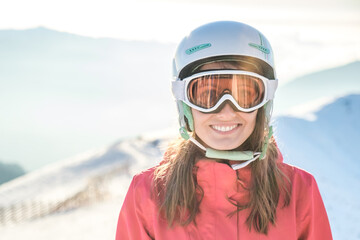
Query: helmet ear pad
pixel 268 110
pixel 188 117
pixel 185 116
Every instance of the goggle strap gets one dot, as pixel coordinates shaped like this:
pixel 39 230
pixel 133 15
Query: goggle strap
pixel 273 83
pixel 178 90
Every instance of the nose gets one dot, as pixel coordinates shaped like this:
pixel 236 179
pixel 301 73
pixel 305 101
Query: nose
pixel 227 112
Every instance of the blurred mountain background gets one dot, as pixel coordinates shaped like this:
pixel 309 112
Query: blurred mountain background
pixel 62 94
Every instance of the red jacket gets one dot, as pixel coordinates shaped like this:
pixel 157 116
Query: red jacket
pixel 304 218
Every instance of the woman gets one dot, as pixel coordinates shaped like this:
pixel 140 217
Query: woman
pixel 225 179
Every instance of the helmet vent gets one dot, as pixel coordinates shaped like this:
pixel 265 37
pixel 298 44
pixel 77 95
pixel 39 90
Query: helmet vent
pixel 261 48
pixel 197 48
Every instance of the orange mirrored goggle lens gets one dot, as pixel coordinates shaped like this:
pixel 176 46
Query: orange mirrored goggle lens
pixel 206 91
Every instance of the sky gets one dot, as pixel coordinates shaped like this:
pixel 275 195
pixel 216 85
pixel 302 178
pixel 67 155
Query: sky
pixel 167 20
pixel 334 24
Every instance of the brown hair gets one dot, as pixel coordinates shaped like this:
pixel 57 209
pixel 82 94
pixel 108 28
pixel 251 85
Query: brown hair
pixel 179 195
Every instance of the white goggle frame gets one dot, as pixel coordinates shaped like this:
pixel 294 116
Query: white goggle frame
pixel 179 89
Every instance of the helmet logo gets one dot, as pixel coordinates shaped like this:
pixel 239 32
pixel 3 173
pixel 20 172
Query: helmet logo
pixel 259 47
pixel 197 48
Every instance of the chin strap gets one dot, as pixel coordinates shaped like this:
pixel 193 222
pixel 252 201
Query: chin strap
pixel 246 156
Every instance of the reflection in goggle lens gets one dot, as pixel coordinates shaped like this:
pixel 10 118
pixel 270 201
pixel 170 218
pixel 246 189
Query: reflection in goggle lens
pixel 207 90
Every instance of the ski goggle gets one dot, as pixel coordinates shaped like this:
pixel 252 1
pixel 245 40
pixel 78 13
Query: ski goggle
pixel 206 91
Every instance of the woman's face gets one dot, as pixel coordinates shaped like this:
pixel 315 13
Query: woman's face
pixel 227 129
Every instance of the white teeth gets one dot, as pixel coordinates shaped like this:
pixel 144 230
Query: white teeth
pixel 223 128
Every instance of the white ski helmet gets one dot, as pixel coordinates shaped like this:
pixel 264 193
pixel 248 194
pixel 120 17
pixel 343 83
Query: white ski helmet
pixel 221 41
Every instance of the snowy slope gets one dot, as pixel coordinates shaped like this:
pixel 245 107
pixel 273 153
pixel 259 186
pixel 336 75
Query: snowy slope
pixel 323 141
pixel 110 168
pixel 326 144
pixel 73 174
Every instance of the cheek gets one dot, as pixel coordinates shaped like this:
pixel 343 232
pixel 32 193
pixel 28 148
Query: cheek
pixel 199 118
pixel 253 121
pixel 250 119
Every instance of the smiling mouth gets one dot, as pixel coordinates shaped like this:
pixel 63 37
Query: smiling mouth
pixel 224 128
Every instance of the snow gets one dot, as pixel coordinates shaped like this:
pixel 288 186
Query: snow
pixel 113 166
pixel 326 146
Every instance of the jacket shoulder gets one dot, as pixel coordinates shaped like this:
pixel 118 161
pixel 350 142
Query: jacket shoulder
pixel 311 217
pixel 297 175
pixel 143 180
